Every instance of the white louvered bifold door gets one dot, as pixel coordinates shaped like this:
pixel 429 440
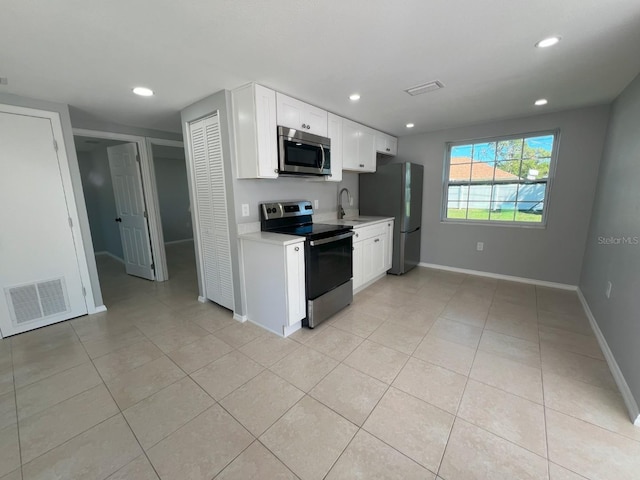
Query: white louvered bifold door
pixel 212 215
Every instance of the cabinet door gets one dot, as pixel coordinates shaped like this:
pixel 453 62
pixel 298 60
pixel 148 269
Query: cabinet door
pixel 358 265
pixel 381 142
pixel 295 283
pixel 316 120
pixel 290 112
pixel 265 128
pixel 350 134
pixel 366 150
pixel 378 255
pixel 392 145
pixel 335 134
pixel 388 244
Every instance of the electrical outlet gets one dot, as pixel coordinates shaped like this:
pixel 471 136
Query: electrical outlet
pixel 480 246
pixel 351 201
pixel 607 292
pixel 245 209
pixel 316 204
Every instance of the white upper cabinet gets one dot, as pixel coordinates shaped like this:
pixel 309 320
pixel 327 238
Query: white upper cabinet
pixel 386 144
pixel 254 121
pixel 293 113
pixel 335 134
pixel 358 147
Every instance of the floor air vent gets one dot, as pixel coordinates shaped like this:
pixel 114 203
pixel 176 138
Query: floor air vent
pixel 37 300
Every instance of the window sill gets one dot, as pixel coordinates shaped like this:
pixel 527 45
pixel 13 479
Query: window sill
pixel 483 223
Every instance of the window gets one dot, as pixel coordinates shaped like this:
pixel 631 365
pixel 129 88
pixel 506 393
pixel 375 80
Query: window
pixel 500 180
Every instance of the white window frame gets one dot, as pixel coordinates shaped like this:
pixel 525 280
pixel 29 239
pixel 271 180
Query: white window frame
pixel 501 223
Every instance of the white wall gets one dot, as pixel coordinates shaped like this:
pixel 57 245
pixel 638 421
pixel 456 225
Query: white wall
pixel 551 254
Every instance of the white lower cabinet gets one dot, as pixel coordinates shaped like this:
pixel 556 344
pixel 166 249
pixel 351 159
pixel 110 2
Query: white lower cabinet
pixel 274 284
pixel 372 248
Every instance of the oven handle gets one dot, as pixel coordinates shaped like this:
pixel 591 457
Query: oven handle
pixel 342 236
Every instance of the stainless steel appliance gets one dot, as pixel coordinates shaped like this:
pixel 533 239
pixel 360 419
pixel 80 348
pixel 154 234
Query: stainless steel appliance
pixel 328 256
pixel 302 153
pixel 395 190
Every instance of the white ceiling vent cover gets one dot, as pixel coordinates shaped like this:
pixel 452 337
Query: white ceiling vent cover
pixel 37 300
pixel 424 88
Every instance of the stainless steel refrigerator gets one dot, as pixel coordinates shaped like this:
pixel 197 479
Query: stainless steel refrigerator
pixel 395 190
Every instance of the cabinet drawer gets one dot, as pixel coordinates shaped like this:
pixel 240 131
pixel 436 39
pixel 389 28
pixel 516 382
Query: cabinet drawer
pixel 363 233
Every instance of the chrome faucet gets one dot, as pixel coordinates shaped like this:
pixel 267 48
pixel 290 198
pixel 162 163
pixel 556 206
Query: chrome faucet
pixel 340 209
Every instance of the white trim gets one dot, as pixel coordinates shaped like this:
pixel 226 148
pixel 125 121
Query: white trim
pixel 202 299
pixel 151 200
pixel 69 191
pixel 243 318
pixel 289 329
pixel 623 386
pixel 100 309
pixel 499 276
pixel 173 242
pixel 109 254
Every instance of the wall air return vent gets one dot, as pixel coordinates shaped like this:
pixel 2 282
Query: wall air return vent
pixel 37 300
pixel 424 88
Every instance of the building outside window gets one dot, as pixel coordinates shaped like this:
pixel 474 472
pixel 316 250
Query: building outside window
pixel 502 180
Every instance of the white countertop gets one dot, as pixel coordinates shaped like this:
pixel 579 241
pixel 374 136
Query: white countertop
pixel 272 238
pixel 361 221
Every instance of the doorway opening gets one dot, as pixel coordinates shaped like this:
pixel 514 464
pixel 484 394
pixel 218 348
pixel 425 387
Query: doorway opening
pixel 170 175
pixel 137 197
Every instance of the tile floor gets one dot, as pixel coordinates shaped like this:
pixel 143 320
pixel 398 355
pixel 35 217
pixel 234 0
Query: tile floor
pixel 430 375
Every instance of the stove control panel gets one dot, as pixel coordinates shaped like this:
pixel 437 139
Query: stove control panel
pixel 273 210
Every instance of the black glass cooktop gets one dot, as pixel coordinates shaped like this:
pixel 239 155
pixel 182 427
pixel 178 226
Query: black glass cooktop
pixel 313 230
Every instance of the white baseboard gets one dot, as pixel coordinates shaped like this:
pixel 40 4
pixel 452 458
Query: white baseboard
pixel 98 309
pixel 623 386
pixel 499 276
pixel 173 242
pixel 202 299
pixel 109 254
pixel 240 318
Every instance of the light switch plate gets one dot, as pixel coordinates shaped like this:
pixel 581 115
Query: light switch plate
pixel 245 209
pixel 480 246
pixel 316 203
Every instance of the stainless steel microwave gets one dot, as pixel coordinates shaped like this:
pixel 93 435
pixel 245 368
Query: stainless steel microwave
pixel 302 153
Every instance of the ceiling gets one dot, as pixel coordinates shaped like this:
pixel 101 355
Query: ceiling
pixel 91 57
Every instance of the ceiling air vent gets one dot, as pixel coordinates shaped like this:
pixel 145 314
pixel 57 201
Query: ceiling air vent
pixel 424 88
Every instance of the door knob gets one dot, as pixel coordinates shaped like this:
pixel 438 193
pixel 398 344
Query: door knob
pixel 118 219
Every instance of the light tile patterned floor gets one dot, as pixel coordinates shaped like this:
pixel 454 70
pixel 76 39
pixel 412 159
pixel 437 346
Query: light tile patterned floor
pixel 430 375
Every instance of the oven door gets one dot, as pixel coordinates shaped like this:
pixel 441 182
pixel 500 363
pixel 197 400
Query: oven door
pixel 303 153
pixel 329 264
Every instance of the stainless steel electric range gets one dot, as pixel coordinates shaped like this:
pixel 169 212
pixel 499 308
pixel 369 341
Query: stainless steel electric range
pixel 328 256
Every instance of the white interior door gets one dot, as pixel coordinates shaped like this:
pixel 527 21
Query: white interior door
pixel 40 280
pixel 132 220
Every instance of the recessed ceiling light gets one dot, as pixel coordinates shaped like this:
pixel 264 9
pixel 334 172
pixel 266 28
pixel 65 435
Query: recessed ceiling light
pixel 143 91
pixel 548 42
pixel 410 125
pixel 354 97
pixel 541 101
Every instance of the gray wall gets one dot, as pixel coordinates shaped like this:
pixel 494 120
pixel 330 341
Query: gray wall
pixel 173 196
pixel 82 119
pixel 100 201
pixel 616 213
pixel 67 131
pixel 551 254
